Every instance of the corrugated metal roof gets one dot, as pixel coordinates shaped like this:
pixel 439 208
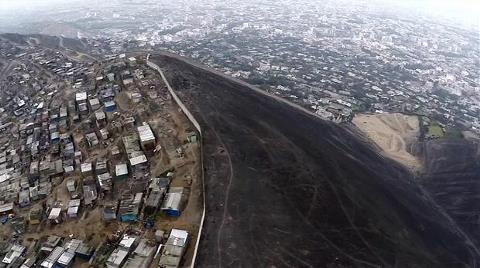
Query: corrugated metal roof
pixel 73 244
pixel 53 257
pixel 74 203
pixel 138 198
pixel 178 237
pixel 72 211
pixel 54 213
pixel 81 96
pixel 94 101
pixel 145 133
pixel 109 103
pixel 100 115
pixel 172 201
pixel 117 257
pixel 121 169
pixel 86 167
pixel 138 160
pixel 66 258
pixel 127 241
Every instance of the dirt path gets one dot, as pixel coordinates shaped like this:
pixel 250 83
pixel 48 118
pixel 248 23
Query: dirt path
pixel 227 192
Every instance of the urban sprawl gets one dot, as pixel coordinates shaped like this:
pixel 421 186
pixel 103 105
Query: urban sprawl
pixel 98 166
pixel 336 58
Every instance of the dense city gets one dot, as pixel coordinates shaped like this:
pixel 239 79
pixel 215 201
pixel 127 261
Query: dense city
pixel 343 60
pixel 97 164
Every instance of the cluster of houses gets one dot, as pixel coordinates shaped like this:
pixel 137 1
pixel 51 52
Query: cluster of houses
pixel 130 251
pixel 62 129
pixel 159 197
pixel 133 251
pixel 53 252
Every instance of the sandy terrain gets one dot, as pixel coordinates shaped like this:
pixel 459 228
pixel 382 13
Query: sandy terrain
pixel 393 133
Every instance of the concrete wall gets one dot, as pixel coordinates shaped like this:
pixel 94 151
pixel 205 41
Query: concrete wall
pixel 176 98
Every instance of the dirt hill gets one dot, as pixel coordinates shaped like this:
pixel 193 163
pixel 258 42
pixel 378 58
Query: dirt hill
pixel 286 189
pixel 394 134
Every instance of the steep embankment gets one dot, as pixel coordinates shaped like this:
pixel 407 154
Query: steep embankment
pixel 285 188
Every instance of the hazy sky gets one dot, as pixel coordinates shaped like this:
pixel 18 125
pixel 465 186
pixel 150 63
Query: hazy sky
pixel 467 7
pixel 19 5
pixel 460 11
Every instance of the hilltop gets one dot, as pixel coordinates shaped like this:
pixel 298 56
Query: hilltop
pixel 285 188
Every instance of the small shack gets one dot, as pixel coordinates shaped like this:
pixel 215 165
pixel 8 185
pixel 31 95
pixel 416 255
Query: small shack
pixel 35 216
pixel 55 215
pixel 6 208
pixel 121 171
pixel 173 201
pixel 174 249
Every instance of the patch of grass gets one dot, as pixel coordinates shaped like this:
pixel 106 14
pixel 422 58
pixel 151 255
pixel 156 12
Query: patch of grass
pixel 435 130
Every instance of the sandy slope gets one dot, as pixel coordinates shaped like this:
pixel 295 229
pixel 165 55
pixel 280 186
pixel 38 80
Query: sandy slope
pixel 393 133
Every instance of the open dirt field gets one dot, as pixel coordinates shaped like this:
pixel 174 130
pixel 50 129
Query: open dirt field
pixel 394 134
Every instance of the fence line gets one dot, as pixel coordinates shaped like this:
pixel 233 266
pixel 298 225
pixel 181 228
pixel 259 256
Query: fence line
pixel 197 126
